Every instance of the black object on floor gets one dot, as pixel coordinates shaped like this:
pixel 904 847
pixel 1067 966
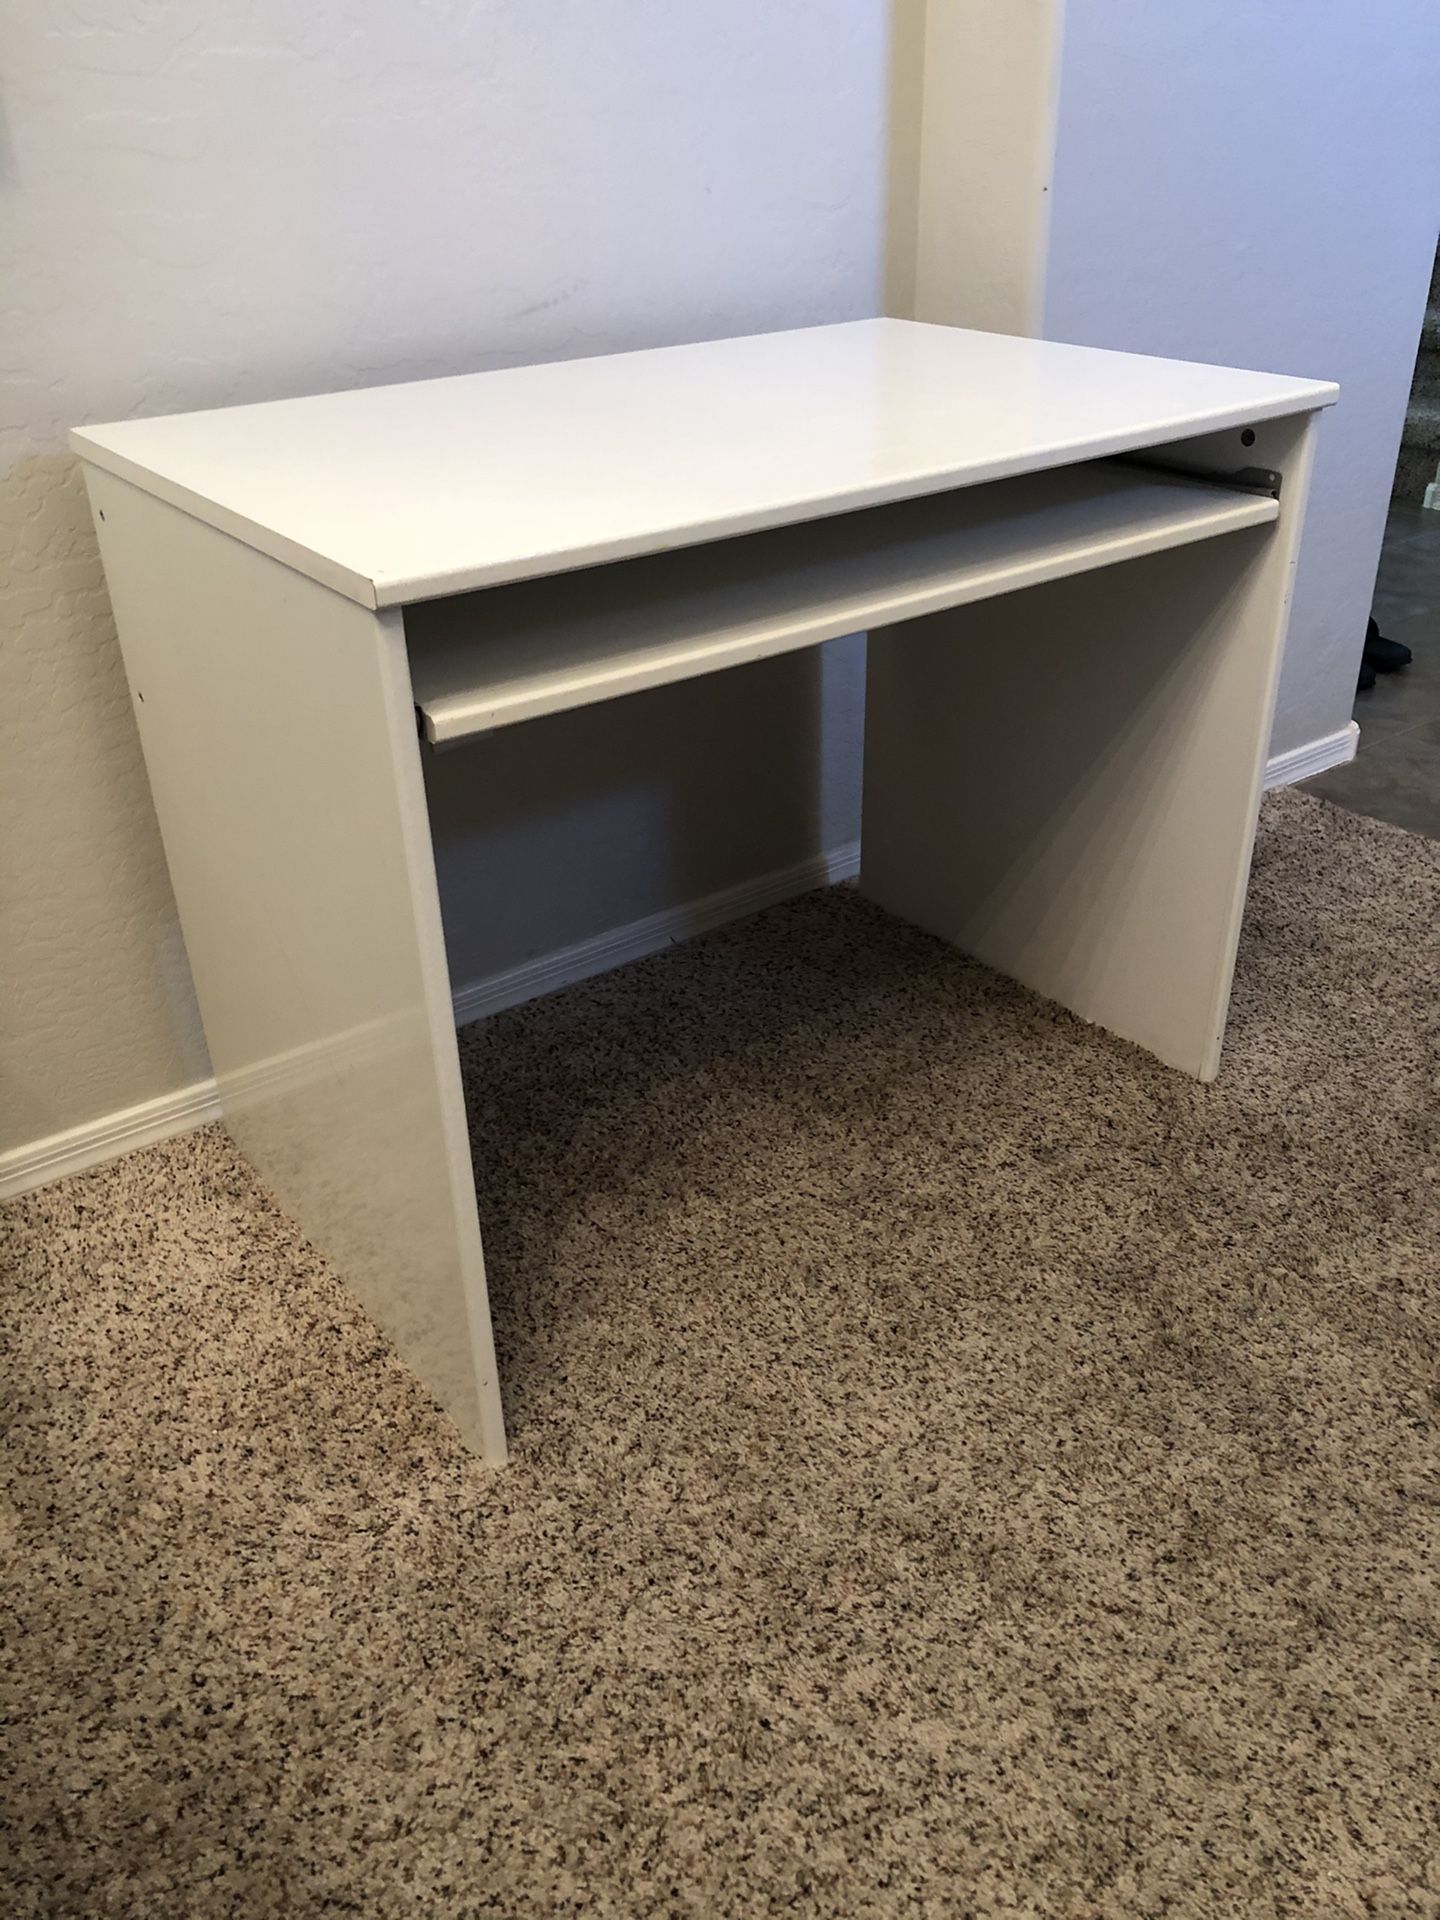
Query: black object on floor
pixel 1365 679
pixel 1382 655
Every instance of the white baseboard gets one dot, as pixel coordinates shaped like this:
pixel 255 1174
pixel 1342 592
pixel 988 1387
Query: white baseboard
pixel 655 932
pixel 90 1145
pixel 42 1161
pixel 1332 750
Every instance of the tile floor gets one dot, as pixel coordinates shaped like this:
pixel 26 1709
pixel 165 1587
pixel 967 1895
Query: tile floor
pixel 1396 774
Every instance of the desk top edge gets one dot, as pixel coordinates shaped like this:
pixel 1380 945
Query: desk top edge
pixel 868 387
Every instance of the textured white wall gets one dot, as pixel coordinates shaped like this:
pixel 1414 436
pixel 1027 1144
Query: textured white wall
pixel 1260 184
pixel 240 199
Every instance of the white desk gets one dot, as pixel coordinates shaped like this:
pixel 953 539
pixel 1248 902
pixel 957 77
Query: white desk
pixel 1062 781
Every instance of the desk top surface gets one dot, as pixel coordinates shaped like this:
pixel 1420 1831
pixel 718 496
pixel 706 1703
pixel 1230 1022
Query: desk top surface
pixel 395 494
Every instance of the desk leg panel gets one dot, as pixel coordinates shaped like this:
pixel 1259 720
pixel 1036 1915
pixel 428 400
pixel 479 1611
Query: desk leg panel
pixel 279 735
pixel 1065 782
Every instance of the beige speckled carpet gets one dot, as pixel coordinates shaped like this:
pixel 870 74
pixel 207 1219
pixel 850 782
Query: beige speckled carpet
pixel 961 1468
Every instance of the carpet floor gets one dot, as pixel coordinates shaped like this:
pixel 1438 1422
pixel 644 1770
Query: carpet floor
pixel 961 1468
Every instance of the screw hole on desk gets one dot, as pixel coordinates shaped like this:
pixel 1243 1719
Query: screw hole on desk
pixel 102 513
pixel 1247 438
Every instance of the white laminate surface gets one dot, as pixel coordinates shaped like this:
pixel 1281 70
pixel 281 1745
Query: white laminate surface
pixel 487 660
pixel 396 494
pixel 302 868
pixel 1064 783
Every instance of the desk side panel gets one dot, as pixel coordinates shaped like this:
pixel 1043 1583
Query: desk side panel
pixel 279 736
pixel 1065 783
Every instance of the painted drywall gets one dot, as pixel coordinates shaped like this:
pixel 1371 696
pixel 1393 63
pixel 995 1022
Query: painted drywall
pixel 979 164
pixel 1260 185
pixel 245 200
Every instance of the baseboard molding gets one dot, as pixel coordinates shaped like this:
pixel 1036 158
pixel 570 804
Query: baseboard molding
pixel 1332 750
pixel 567 965
pixel 90 1145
